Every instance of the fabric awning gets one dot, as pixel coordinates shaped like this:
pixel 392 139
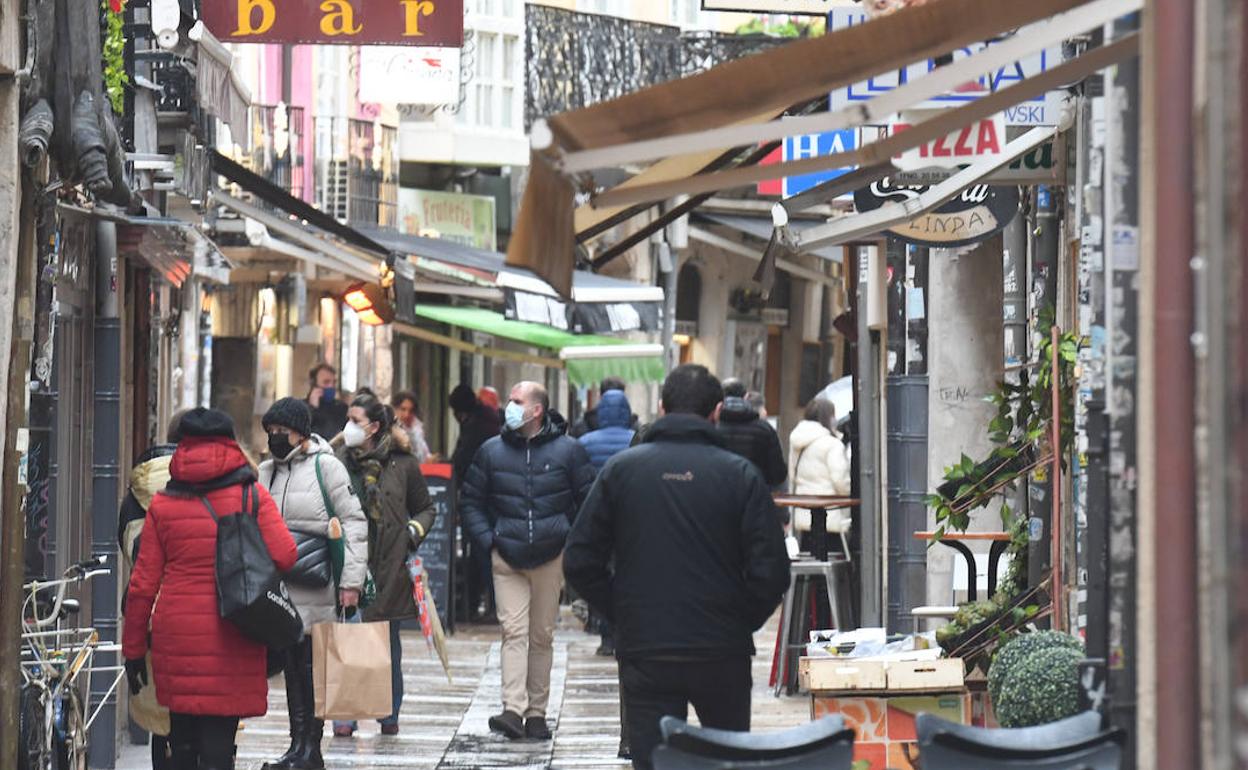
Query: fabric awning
pixel 739 91
pixel 587 358
pixel 218 87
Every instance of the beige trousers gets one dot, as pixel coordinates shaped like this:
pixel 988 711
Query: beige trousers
pixel 528 608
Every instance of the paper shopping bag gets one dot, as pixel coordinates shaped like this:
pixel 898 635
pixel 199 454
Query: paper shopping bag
pixel 351 670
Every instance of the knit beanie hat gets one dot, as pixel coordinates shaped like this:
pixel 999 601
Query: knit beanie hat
pixel 462 398
pixel 205 423
pixel 289 413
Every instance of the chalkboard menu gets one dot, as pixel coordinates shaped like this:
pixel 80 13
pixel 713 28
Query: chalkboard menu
pixel 438 549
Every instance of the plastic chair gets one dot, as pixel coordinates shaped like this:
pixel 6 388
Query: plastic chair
pixel 1075 743
pixel 826 744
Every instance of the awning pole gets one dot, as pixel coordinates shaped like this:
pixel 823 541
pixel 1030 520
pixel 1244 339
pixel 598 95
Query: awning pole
pixel 480 350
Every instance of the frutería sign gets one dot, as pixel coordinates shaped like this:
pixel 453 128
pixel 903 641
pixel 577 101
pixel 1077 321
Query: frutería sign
pixel 347 22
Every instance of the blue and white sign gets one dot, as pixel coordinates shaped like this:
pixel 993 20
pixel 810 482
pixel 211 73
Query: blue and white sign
pixel 813 146
pixel 1042 111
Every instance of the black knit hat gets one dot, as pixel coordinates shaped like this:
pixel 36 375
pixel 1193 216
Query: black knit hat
pixel 289 413
pixel 203 422
pixel 462 398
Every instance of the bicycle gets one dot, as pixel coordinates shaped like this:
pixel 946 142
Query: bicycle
pixel 54 721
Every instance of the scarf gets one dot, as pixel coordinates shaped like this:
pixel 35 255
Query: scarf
pixel 368 464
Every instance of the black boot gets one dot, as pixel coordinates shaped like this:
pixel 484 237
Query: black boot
pixel 299 704
pixel 310 752
pixel 184 756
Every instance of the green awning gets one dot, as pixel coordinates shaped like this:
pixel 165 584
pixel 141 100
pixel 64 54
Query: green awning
pixel 587 358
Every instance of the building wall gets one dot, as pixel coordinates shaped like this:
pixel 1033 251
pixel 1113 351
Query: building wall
pixel 965 354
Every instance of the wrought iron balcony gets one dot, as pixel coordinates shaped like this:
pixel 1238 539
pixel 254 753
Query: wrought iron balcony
pixel 578 59
pixel 357 171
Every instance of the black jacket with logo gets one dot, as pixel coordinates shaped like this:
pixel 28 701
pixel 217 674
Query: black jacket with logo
pixel 752 438
pixel 699 556
pixel 521 495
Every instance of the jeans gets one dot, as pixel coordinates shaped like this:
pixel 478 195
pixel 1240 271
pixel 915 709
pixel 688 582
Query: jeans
pixel 652 689
pixel 202 742
pixel 396 674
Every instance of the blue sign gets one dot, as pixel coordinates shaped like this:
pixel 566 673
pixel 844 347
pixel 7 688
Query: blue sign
pixel 812 146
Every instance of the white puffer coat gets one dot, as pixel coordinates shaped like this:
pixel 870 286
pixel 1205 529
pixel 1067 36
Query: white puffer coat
pixel 294 487
pixel 818 465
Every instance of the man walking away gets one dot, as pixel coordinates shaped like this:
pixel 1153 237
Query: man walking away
pixel 478 423
pixel 699 565
pixel 589 421
pixel 747 434
pixel 329 413
pixel 520 496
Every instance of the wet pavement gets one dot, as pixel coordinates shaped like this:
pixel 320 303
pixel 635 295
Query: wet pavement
pixel 443 724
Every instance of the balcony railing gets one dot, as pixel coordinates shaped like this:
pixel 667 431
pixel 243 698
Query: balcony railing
pixel 357 171
pixel 578 59
pixel 277 146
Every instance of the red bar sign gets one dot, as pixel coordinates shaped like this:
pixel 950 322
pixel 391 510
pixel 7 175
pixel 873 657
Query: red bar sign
pixel 346 22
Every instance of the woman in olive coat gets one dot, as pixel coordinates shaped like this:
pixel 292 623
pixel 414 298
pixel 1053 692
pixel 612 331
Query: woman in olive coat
pixel 386 476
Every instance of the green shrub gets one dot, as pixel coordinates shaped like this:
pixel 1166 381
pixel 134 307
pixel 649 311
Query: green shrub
pixel 1010 655
pixel 1043 688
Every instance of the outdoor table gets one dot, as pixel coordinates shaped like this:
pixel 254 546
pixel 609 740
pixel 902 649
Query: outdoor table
pixel 958 540
pixel 819 505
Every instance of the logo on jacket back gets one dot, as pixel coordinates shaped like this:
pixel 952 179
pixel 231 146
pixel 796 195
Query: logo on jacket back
pixel 686 476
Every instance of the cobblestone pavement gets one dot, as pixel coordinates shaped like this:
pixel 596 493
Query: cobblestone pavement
pixel 443 724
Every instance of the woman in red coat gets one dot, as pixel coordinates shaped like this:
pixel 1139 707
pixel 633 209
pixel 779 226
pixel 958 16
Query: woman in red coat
pixel 206 672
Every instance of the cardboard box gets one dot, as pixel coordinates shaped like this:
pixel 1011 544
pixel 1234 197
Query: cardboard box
pixel 842 674
pixel 885 737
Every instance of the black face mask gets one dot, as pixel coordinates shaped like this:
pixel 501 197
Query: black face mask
pixel 280 446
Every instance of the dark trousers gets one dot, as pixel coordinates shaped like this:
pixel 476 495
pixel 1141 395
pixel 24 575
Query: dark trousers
pixel 202 742
pixel 719 691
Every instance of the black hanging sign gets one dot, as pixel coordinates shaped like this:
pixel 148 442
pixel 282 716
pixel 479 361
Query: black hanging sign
pixel 975 214
pixel 438 549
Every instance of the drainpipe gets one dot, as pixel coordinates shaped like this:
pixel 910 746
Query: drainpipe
pixel 105 483
pixel 1170 63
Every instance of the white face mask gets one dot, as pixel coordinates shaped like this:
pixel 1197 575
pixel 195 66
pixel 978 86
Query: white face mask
pixel 353 435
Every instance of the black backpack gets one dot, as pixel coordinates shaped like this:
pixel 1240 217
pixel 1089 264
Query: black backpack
pixel 250 591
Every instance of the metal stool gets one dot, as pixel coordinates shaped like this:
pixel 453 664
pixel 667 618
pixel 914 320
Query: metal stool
pixel 835 574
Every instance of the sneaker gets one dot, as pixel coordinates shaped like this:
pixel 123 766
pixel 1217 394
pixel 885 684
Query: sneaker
pixel 390 729
pixel 509 724
pixel 343 731
pixel 535 728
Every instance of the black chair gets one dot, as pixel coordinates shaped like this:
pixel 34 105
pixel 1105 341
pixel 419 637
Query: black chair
pixel 826 744
pixel 1075 743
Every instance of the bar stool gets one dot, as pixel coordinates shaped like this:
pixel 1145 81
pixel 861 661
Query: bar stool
pixel 835 574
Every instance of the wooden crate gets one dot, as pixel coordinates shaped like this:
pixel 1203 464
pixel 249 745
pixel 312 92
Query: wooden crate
pixel 946 673
pixel 842 674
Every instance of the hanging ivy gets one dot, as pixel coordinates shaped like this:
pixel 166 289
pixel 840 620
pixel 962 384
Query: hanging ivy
pixel 115 77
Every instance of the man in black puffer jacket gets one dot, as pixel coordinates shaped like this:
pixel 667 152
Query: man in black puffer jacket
pixel 519 499
pixel 747 434
pixel 699 565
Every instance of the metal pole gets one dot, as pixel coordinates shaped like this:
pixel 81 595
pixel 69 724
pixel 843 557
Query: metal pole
pixel 868 445
pixel 1044 272
pixel 1055 437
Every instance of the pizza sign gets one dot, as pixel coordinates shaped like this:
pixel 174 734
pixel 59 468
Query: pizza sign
pixel 982 140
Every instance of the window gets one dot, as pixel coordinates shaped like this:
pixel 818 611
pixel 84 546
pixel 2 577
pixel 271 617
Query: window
pixel 498 75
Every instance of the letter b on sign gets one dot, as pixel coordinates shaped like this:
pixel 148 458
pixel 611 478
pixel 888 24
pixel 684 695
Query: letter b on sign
pixel 247 12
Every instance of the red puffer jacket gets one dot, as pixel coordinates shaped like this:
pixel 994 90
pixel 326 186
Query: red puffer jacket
pixel 202 664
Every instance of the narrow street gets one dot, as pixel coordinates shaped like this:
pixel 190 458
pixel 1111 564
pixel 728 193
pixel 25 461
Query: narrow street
pixel 443 725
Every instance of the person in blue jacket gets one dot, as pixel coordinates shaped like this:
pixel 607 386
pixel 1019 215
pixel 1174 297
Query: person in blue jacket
pixel 614 433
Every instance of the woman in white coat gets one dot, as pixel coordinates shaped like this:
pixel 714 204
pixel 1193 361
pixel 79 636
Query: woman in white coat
pixel 311 486
pixel 819 465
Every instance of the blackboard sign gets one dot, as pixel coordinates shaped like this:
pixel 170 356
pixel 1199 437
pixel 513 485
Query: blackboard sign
pixel 438 549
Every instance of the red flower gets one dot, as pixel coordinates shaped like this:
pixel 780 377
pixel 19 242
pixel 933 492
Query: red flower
pixel 116 5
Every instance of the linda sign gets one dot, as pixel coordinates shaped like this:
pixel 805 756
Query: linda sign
pixel 349 22
pixel 976 214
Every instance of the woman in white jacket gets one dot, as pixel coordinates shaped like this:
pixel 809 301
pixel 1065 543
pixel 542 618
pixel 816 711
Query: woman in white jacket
pixel 819 465
pixel 311 486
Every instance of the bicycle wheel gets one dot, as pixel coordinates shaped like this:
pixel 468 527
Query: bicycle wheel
pixel 32 744
pixel 71 743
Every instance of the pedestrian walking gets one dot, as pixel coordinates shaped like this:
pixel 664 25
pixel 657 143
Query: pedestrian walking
pixel 819 465
pixel 400 515
pixel 478 422
pixel 148 476
pixel 699 565
pixel 589 421
pixel 407 415
pixel 205 670
pixel 746 433
pixel 329 412
pixel 311 487
pixel 520 497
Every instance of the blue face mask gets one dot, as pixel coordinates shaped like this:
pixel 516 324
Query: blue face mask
pixel 327 395
pixel 514 416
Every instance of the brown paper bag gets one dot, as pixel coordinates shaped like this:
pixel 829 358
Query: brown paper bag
pixel 351 670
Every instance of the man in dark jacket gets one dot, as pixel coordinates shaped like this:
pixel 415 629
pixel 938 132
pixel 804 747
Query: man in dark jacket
pixel 748 435
pixel 478 424
pixel 699 563
pixel 520 496
pixel 329 413
pixel 589 421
